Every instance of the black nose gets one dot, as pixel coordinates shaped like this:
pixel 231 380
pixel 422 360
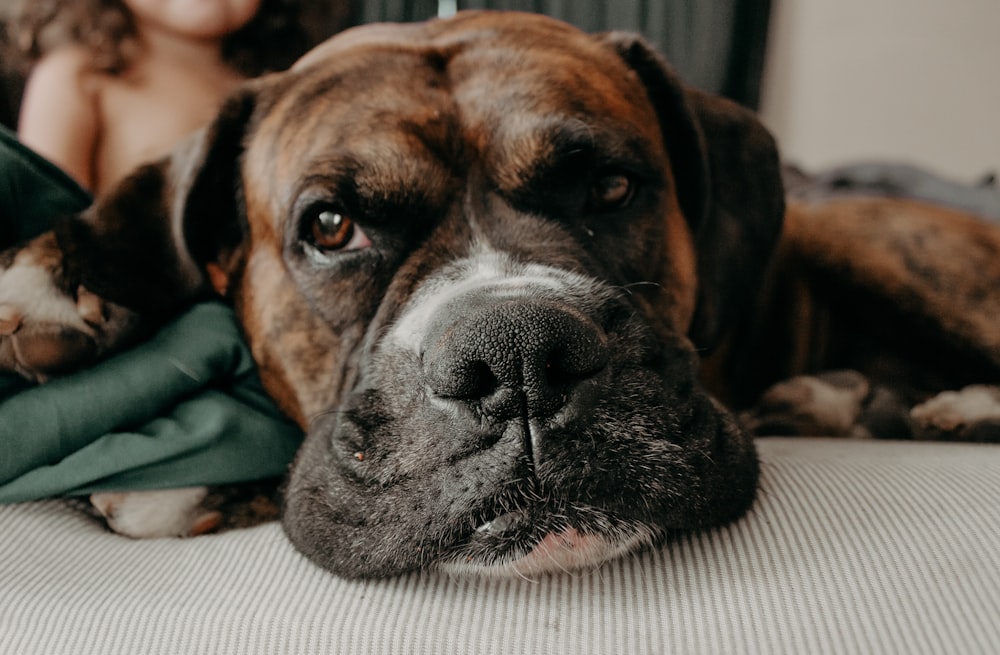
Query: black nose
pixel 512 357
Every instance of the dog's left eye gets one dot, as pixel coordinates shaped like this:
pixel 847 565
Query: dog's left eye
pixel 330 230
pixel 611 191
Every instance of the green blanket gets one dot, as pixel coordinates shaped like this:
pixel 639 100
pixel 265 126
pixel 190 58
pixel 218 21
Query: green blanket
pixel 184 408
pixel 33 192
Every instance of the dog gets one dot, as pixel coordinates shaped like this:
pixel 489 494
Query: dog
pixel 493 266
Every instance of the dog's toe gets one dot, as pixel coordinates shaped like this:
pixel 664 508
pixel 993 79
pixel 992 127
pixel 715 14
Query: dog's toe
pixel 91 307
pixel 10 320
pixel 206 523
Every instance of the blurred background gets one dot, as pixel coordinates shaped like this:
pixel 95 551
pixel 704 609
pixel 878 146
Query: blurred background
pixel 836 81
pixel 911 80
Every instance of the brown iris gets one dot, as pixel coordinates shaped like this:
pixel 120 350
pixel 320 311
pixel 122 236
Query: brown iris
pixel 611 191
pixel 332 230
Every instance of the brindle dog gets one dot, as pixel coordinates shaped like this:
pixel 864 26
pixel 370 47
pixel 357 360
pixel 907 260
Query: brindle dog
pixel 478 260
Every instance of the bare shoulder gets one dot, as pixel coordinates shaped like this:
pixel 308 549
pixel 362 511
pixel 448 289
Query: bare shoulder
pixel 59 111
pixel 70 65
pixel 63 72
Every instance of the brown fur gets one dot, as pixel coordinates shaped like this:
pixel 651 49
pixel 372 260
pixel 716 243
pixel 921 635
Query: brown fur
pixel 905 291
pixel 447 157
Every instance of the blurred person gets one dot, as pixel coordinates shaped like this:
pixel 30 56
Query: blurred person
pixel 115 83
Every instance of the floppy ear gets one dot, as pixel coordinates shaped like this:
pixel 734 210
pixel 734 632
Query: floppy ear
pixel 212 215
pixel 727 171
pixel 145 244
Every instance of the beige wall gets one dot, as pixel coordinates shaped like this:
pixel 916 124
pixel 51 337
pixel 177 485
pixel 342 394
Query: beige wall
pixel 911 80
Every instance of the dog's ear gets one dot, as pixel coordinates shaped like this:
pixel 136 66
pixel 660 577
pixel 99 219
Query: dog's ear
pixel 727 171
pixel 210 195
pixel 146 243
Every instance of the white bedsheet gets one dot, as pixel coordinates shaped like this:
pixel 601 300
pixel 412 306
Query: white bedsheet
pixel 852 547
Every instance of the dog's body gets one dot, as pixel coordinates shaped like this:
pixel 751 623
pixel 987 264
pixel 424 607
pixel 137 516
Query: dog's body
pixel 476 260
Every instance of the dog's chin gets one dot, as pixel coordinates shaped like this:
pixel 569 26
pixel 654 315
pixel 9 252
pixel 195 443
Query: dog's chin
pixel 520 544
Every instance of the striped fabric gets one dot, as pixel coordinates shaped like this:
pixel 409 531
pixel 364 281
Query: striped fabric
pixel 853 547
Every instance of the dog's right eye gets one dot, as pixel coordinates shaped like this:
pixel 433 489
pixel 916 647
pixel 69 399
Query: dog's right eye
pixel 329 230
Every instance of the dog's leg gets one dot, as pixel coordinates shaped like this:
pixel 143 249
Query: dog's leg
pixel 188 511
pixel 49 326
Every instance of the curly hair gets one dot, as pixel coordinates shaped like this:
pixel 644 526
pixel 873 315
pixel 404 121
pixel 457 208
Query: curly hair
pixel 271 41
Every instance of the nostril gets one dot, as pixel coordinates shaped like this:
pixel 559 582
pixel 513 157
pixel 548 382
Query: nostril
pixel 465 380
pixel 563 368
pixel 481 381
pixel 556 374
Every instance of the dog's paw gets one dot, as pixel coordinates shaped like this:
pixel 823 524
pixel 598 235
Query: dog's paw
pixel 161 513
pixel 971 414
pixel 188 511
pixel 835 404
pixel 48 326
pixel 811 405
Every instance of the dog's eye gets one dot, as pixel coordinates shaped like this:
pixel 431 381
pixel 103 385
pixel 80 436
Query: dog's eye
pixel 611 191
pixel 331 230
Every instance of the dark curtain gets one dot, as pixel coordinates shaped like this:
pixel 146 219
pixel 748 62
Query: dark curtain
pixel 717 45
pixel 371 11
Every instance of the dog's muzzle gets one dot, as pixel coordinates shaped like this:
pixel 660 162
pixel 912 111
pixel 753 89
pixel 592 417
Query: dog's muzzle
pixel 511 418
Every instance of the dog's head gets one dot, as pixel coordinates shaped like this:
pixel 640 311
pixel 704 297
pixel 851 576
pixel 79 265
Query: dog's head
pixel 476 259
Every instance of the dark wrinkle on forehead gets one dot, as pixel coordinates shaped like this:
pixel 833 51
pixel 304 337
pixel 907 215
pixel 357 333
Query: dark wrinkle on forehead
pixel 397 125
pixel 523 108
pixel 331 117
